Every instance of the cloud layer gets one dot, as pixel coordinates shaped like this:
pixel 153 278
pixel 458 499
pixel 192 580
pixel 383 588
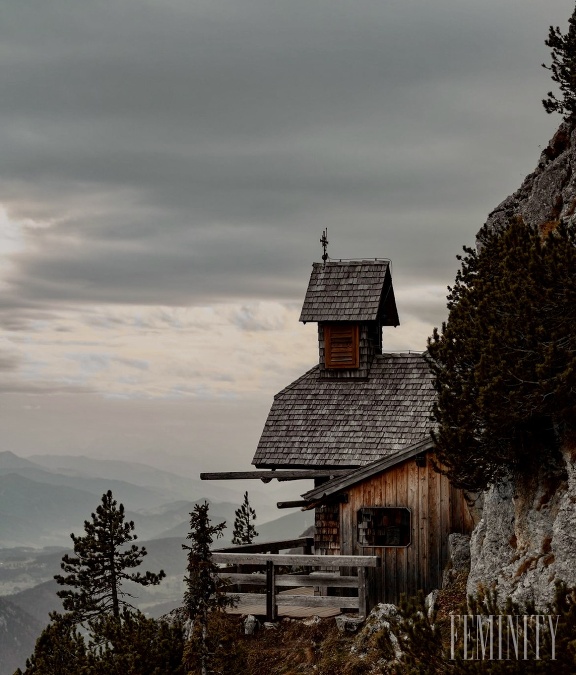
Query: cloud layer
pixel 180 153
pixel 167 169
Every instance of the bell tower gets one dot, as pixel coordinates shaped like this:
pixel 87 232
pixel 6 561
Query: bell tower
pixel 351 300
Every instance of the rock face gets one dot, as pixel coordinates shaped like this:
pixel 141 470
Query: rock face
pixel 547 195
pixel 458 564
pixel 526 538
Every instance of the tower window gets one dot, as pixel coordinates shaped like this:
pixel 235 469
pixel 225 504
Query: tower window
pixel 341 345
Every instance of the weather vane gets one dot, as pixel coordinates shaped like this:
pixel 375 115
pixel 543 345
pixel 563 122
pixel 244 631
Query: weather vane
pixel 324 242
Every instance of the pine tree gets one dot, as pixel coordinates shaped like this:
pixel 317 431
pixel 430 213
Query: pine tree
pixel 60 650
pixel 505 361
pixel 133 645
pixel 100 565
pixel 563 69
pixel 204 593
pixel 136 645
pixel 244 530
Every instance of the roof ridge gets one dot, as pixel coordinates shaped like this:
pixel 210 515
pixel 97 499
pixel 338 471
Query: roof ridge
pixel 354 261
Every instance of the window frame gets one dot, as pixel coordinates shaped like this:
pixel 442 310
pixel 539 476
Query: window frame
pixel 408 526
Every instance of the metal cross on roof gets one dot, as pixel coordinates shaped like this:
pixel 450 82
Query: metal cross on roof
pixel 324 242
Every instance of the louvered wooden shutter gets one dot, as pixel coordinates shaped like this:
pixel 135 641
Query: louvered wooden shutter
pixel 341 346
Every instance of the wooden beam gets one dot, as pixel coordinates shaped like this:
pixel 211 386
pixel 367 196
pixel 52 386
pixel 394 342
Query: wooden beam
pixel 270 591
pixel 341 498
pixel 317 601
pixel 300 560
pixel 281 475
pixel 362 592
pixel 292 505
pixel 291 580
pixel 252 599
pixel 268 546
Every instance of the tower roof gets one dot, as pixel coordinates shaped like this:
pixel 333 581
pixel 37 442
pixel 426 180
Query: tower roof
pixel 351 290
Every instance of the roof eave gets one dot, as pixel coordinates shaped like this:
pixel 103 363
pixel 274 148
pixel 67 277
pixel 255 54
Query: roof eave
pixel 364 472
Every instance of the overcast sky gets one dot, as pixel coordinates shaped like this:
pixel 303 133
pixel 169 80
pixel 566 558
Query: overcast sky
pixel 166 171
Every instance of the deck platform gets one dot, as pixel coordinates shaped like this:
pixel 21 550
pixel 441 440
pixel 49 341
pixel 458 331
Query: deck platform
pixel 292 612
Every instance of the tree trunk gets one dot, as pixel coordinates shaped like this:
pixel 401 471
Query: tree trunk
pixel 204 660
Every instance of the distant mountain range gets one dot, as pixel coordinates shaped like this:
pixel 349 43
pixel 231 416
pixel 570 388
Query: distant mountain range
pixel 45 498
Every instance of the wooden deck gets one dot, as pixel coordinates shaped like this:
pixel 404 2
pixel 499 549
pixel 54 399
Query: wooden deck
pixel 292 612
pixel 286 585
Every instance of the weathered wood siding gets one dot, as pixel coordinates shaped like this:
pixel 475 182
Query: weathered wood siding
pixel 327 530
pixel 437 509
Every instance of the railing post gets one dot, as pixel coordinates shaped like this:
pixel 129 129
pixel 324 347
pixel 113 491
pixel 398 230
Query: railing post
pixel 270 591
pixel 362 592
pixel 307 550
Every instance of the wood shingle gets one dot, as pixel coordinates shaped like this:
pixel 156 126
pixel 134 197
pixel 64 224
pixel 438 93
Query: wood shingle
pixel 350 291
pixel 318 422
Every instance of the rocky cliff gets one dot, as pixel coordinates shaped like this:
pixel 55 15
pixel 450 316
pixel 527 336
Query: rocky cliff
pixel 526 539
pixel 549 193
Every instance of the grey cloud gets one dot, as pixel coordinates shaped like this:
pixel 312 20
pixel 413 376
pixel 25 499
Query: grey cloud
pixel 9 361
pixel 17 320
pixel 18 386
pixel 193 152
pixel 432 312
pixel 96 362
pixel 254 318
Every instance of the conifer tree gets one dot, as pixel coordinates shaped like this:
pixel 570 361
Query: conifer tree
pixel 204 593
pixel 505 361
pixel 244 530
pixel 60 650
pixel 563 69
pixel 99 567
pixel 136 645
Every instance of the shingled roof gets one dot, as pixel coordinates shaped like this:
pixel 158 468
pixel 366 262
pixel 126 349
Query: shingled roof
pixel 351 290
pixel 318 422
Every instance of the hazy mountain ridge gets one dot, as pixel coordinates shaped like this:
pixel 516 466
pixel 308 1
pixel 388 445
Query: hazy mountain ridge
pixel 137 496
pixel 135 473
pixel 8 460
pixel 43 500
pixel 39 514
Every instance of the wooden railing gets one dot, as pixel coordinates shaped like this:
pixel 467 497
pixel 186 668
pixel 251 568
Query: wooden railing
pixel 305 543
pixel 334 571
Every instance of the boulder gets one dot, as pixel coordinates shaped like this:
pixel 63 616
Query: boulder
pixel 384 617
pixel 348 624
pixel 251 624
pixel 430 603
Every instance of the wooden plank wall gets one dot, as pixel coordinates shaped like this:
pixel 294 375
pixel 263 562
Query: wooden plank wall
pixel 437 510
